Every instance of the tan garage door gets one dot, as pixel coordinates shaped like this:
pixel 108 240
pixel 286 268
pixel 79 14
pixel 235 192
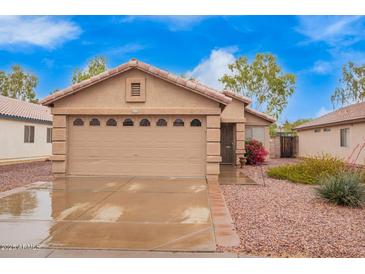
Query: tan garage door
pixel 145 146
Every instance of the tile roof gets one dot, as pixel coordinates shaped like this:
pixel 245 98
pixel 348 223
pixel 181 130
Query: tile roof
pixel 134 63
pixel 15 108
pixel 237 96
pixel 346 114
pixel 260 114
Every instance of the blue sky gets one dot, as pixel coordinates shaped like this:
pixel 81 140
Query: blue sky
pixel 312 47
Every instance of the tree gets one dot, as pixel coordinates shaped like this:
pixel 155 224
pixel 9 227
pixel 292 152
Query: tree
pixel 18 84
pixel 94 67
pixel 352 85
pixel 263 81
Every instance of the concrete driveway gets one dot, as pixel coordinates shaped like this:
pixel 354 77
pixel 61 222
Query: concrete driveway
pixel 127 213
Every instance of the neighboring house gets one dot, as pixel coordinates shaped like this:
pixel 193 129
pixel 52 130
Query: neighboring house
pixel 340 133
pixel 139 120
pixel 25 131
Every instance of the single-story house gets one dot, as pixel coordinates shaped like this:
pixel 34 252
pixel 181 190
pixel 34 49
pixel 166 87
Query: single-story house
pixel 136 119
pixel 25 131
pixel 340 133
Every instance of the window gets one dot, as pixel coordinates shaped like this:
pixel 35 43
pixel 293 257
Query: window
pixel 344 137
pixel 28 134
pixel 111 123
pixel 317 130
pixel 326 129
pixel 161 123
pixel 144 123
pixel 178 123
pixel 195 123
pixel 49 135
pixel 78 122
pixel 135 90
pixel 256 133
pixel 94 122
pixel 128 123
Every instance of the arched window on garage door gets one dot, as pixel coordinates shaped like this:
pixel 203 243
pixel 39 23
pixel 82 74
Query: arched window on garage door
pixel 161 123
pixel 94 122
pixel 178 123
pixel 128 123
pixel 144 123
pixel 195 123
pixel 78 122
pixel 111 122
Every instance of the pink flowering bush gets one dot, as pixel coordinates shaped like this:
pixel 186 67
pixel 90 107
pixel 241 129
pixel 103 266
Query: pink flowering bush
pixel 255 152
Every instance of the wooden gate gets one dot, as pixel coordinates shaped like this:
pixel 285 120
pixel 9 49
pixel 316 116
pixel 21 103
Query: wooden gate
pixel 288 146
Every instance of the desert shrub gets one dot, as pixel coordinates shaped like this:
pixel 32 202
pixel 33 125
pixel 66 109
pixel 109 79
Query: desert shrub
pixel 309 171
pixel 255 152
pixel 345 188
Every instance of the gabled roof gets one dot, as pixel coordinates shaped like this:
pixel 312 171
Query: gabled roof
pixel 238 97
pixel 17 109
pixel 351 113
pixel 260 114
pixel 135 64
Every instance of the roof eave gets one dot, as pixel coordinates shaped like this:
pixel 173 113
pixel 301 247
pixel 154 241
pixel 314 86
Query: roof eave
pixel 338 123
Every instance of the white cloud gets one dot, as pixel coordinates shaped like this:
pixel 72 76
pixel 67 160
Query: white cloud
pixel 323 111
pixel 332 30
pixel 44 31
pixel 127 49
pixel 209 70
pixel 174 23
pixel 322 67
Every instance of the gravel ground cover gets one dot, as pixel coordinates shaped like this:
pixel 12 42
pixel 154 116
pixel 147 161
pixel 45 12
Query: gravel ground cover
pixel 286 219
pixel 17 175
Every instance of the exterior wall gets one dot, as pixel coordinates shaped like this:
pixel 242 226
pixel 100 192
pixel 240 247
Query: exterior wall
pixel 234 112
pixel 213 146
pixel 311 143
pixel 59 145
pixel 109 98
pixel 254 121
pixel 12 146
pixel 239 134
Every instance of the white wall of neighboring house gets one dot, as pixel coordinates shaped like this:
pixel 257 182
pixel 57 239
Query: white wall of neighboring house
pixel 12 145
pixel 315 143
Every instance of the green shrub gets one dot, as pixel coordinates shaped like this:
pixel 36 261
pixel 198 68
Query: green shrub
pixel 345 188
pixel 309 171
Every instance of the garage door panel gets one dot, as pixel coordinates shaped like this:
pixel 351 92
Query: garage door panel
pixel 155 151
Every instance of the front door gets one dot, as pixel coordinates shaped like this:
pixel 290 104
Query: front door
pixel 227 143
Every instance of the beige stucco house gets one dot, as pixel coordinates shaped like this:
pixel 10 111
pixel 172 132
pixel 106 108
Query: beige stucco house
pixel 139 120
pixel 340 133
pixel 25 131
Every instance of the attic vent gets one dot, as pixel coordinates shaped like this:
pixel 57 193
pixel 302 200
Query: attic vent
pixel 135 89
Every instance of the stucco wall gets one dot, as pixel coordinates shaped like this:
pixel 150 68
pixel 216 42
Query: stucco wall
pixel 312 143
pixel 12 141
pixel 234 112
